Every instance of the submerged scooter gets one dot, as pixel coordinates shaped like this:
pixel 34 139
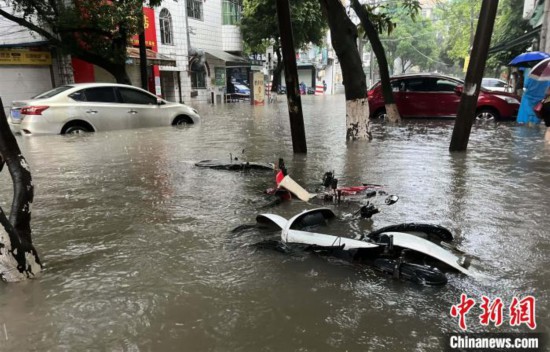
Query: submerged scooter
pixel 402 250
pixel 235 164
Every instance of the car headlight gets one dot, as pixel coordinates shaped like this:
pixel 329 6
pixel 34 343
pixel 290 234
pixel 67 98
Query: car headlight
pixel 508 99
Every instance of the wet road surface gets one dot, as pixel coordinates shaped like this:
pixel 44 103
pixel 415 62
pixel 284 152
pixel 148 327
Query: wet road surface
pixel 140 255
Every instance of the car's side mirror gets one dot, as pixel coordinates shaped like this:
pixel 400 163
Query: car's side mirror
pixel 459 90
pixel 160 101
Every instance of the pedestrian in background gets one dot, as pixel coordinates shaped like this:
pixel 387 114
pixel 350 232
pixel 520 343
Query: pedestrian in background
pixel 513 81
pixel 534 92
pixel 520 83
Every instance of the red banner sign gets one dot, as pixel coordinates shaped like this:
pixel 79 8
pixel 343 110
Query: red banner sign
pixel 150 30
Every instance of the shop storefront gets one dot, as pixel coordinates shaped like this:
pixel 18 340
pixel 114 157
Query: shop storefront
pixel 26 71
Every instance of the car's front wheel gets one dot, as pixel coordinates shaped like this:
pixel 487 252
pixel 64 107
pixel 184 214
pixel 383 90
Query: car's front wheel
pixel 486 114
pixel 380 115
pixel 182 120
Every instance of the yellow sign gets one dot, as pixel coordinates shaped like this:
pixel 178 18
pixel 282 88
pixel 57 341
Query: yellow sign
pixel 466 63
pixel 24 57
pixel 145 21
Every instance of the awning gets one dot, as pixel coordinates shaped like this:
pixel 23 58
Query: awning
pixel 512 43
pixel 153 58
pixel 230 59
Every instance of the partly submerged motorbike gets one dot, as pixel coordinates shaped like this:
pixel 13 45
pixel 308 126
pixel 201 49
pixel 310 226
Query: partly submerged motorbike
pixel 406 251
pixel 287 189
pixel 235 164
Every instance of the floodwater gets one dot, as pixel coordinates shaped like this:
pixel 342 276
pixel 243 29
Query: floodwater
pixel 140 256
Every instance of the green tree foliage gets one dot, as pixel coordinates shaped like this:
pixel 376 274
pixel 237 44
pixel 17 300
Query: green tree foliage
pixel 457 21
pixel 97 31
pixel 413 41
pixel 509 24
pixel 260 29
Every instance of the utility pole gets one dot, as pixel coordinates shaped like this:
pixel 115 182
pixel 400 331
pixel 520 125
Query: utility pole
pixel 294 99
pixel 468 102
pixel 142 51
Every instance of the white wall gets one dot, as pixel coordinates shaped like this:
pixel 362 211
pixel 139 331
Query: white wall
pixel 232 40
pixel 207 34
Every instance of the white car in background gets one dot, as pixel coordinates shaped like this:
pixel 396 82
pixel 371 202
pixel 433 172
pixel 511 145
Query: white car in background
pixel 495 85
pixel 92 107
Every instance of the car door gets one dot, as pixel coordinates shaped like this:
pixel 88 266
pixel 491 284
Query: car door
pixel 142 108
pixel 101 108
pixel 398 91
pixel 444 98
pixel 417 101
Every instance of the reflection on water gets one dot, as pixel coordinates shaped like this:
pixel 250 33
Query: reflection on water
pixel 140 256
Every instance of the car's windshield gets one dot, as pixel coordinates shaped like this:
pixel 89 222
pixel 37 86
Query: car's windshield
pixel 52 92
pixel 241 87
pixel 374 85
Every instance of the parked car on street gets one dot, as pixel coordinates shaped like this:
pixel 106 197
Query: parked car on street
pixel 241 89
pixel 433 95
pixel 92 107
pixel 495 84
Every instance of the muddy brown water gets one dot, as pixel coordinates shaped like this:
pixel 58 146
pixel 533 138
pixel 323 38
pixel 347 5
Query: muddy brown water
pixel 140 255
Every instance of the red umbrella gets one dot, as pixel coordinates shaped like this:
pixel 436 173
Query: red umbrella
pixel 541 71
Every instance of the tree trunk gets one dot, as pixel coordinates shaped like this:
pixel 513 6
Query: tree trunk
pixel 18 257
pixel 391 109
pixel 472 83
pixel 276 82
pixel 344 41
pixel 120 74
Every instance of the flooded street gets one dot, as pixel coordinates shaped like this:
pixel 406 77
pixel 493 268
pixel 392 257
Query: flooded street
pixel 140 256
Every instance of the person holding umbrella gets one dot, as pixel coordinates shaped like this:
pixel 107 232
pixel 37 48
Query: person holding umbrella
pixel 541 75
pixel 534 92
pixel 534 87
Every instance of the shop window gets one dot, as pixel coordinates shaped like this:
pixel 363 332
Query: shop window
pixel 194 9
pixel 198 79
pixel 232 11
pixel 165 20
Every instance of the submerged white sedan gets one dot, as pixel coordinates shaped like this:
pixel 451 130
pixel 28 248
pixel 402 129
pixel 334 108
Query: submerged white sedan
pixel 92 107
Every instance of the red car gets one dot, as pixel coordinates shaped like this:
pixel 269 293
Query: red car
pixel 435 95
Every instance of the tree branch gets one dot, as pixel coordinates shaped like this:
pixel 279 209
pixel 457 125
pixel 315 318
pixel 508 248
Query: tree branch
pixel 23 22
pixel 85 30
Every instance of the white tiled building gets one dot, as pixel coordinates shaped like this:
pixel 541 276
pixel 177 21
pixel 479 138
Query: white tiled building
pixel 206 28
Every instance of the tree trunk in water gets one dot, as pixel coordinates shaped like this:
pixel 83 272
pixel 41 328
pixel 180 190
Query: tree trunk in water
pixel 18 257
pixel 391 109
pixel 344 41
pixel 276 82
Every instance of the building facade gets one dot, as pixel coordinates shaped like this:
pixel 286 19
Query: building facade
pixel 194 54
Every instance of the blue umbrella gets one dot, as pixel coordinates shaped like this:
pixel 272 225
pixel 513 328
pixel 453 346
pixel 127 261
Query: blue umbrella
pixel 529 58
